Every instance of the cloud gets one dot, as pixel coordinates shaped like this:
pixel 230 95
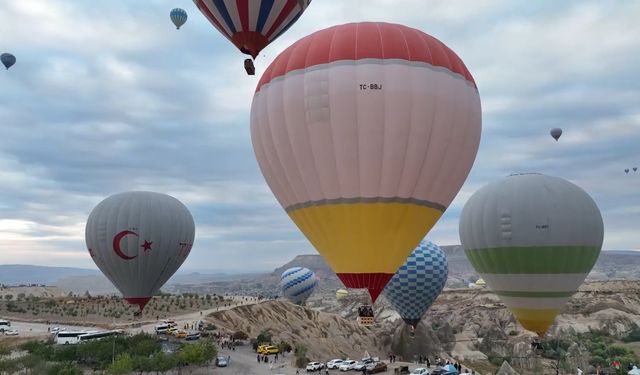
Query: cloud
pixel 110 97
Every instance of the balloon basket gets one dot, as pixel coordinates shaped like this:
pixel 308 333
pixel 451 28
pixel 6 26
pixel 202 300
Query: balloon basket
pixel 365 316
pixel 249 67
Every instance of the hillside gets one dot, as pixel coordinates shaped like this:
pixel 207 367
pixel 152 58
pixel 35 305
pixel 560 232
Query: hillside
pixel 14 274
pixel 470 325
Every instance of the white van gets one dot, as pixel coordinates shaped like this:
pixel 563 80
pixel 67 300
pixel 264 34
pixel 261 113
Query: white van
pixel 4 325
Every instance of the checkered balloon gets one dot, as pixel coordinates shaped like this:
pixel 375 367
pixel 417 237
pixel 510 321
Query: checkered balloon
pixel 297 284
pixel 418 282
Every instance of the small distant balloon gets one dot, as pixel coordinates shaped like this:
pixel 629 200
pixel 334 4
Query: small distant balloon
pixel 556 133
pixel 7 60
pixel 635 169
pixel 178 17
pixel 626 170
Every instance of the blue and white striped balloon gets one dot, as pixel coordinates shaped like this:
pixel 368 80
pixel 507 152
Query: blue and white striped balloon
pixel 418 282
pixel 297 284
pixel 178 17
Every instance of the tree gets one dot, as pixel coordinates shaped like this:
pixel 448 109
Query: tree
pixel 9 366
pixel 264 337
pixel 301 356
pixel 122 365
pixel 4 351
pixel 30 362
pixel 8 297
pixel 161 362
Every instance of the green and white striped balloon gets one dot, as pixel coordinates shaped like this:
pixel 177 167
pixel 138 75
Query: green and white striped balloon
pixel 533 239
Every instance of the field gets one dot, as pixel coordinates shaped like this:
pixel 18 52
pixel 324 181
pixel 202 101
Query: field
pixel 104 310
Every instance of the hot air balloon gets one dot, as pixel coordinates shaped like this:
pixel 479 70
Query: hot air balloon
pixel 418 282
pixel 626 170
pixel 7 60
pixel 533 239
pixel 341 293
pixel 297 284
pixel 365 132
pixel 635 169
pixel 138 240
pixel 252 24
pixel 178 17
pixel 556 133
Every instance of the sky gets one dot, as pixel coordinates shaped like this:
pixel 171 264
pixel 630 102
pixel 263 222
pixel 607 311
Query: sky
pixel 108 97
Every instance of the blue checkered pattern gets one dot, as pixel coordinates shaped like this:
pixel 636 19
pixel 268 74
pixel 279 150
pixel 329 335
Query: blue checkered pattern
pixel 418 282
pixel 297 284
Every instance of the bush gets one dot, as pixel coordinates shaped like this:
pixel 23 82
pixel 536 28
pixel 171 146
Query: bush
pixel 633 335
pixel 240 335
pixel 64 369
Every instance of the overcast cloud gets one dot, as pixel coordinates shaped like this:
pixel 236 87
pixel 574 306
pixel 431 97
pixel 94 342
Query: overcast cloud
pixel 108 96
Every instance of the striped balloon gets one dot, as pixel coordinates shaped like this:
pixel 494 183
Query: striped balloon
pixel 297 284
pixel 252 24
pixel 418 282
pixel 533 239
pixel 178 17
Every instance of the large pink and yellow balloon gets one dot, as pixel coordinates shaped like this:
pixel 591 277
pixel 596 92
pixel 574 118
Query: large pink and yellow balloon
pixel 365 133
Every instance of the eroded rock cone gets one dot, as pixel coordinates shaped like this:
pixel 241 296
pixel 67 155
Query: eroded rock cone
pixel 506 369
pixel 423 342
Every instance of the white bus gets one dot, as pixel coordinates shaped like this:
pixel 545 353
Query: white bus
pixel 100 334
pixel 69 337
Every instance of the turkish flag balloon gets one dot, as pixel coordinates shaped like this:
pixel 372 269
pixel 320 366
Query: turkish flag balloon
pixel 365 133
pixel 139 239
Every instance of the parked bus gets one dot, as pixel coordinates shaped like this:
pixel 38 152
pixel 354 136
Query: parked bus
pixel 101 334
pixel 69 337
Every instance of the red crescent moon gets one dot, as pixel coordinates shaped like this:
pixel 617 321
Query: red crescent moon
pixel 116 244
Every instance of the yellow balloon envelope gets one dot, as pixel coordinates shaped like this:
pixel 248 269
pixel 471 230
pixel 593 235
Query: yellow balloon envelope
pixel 365 133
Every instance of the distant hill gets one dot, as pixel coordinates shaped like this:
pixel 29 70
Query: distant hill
pixel 25 274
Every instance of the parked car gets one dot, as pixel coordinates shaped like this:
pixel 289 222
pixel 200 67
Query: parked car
pixel 420 371
pixel 180 333
pixel 376 368
pixel 362 364
pixel 11 332
pixel 221 361
pixel 334 363
pixel 314 366
pixel 270 350
pixel 347 365
pixel 440 371
pixel 192 336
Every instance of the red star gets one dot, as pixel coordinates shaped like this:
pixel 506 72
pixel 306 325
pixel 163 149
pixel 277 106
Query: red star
pixel 146 246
